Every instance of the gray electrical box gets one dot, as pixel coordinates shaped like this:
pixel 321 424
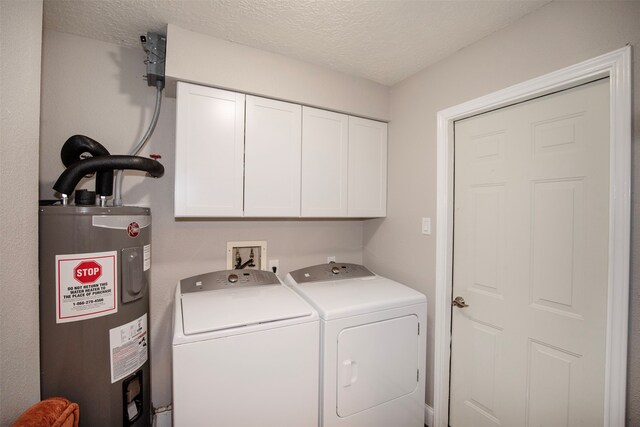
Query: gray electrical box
pixel 155 47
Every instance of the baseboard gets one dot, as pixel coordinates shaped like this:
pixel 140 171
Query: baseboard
pixel 428 415
pixel 162 419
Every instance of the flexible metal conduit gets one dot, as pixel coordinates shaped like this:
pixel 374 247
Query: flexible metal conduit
pixel 117 198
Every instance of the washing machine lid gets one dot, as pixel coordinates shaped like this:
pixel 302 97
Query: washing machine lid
pixel 211 303
pixel 336 299
pixel 232 308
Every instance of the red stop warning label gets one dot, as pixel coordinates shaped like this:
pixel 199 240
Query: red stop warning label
pixel 87 272
pixel 86 285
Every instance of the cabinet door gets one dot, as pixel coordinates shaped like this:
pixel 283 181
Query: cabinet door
pixel 324 163
pixel 367 168
pixel 272 158
pixel 209 152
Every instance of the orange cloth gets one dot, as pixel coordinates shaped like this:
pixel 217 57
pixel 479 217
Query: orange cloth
pixel 52 412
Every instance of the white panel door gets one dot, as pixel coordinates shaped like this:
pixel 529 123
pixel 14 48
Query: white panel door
pixel 209 152
pixel 377 362
pixel 531 260
pixel 367 168
pixel 325 138
pixel 272 158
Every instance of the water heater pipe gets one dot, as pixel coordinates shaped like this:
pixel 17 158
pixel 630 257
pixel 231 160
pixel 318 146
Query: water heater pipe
pixel 71 176
pixel 73 150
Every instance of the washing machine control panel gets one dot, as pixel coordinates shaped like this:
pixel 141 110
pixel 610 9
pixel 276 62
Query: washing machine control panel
pixel 227 279
pixel 331 271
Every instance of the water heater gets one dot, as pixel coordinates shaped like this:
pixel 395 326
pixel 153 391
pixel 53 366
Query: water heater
pixel 95 268
pixel 94 303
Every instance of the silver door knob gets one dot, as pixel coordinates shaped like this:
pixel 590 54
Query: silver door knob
pixel 459 302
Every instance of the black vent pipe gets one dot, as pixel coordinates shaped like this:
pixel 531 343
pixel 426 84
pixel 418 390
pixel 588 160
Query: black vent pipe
pixel 75 147
pixel 71 176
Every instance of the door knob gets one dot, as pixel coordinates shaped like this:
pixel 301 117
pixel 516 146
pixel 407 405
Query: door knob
pixel 459 302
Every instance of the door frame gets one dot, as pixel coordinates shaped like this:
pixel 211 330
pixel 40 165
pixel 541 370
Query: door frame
pixel 617 66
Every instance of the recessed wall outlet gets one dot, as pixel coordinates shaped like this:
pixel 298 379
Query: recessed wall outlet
pixel 331 259
pixel 250 254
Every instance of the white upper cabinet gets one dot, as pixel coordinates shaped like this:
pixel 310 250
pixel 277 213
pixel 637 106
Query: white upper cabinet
pixel 272 158
pixel 325 141
pixel 367 170
pixel 241 155
pixel 209 152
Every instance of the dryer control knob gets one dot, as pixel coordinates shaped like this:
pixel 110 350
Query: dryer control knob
pixel 233 278
pixel 335 270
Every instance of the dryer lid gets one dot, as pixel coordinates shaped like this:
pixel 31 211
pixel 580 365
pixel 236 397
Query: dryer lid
pixel 216 310
pixel 343 298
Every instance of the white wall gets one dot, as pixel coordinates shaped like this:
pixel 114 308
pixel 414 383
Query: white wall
pixel 555 36
pixel 96 88
pixel 20 43
pixel 207 60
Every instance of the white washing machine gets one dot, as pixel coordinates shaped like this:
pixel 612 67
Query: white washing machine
pixel 372 346
pixel 245 352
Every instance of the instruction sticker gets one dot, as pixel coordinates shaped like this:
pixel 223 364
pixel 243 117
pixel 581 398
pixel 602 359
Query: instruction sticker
pixel 147 257
pixel 128 345
pixel 86 286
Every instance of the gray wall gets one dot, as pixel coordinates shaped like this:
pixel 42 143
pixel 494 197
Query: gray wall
pixel 96 88
pixel 210 61
pixel 104 100
pixel 555 36
pixel 20 43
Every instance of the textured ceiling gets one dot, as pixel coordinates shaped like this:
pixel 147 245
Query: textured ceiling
pixel 381 40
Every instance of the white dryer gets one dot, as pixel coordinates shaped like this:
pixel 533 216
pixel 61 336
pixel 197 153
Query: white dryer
pixel 372 346
pixel 245 352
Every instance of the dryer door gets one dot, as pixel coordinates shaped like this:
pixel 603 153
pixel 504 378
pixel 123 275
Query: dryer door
pixel 377 362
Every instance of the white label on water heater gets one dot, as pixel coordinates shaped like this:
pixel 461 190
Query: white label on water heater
pixel 128 345
pixel 147 257
pixel 86 286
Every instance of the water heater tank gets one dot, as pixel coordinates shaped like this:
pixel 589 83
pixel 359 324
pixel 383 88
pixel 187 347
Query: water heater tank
pixel 94 311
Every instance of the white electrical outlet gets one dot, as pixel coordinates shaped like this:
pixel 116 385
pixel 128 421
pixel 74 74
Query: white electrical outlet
pixel 331 259
pixel 274 263
pixel 247 254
